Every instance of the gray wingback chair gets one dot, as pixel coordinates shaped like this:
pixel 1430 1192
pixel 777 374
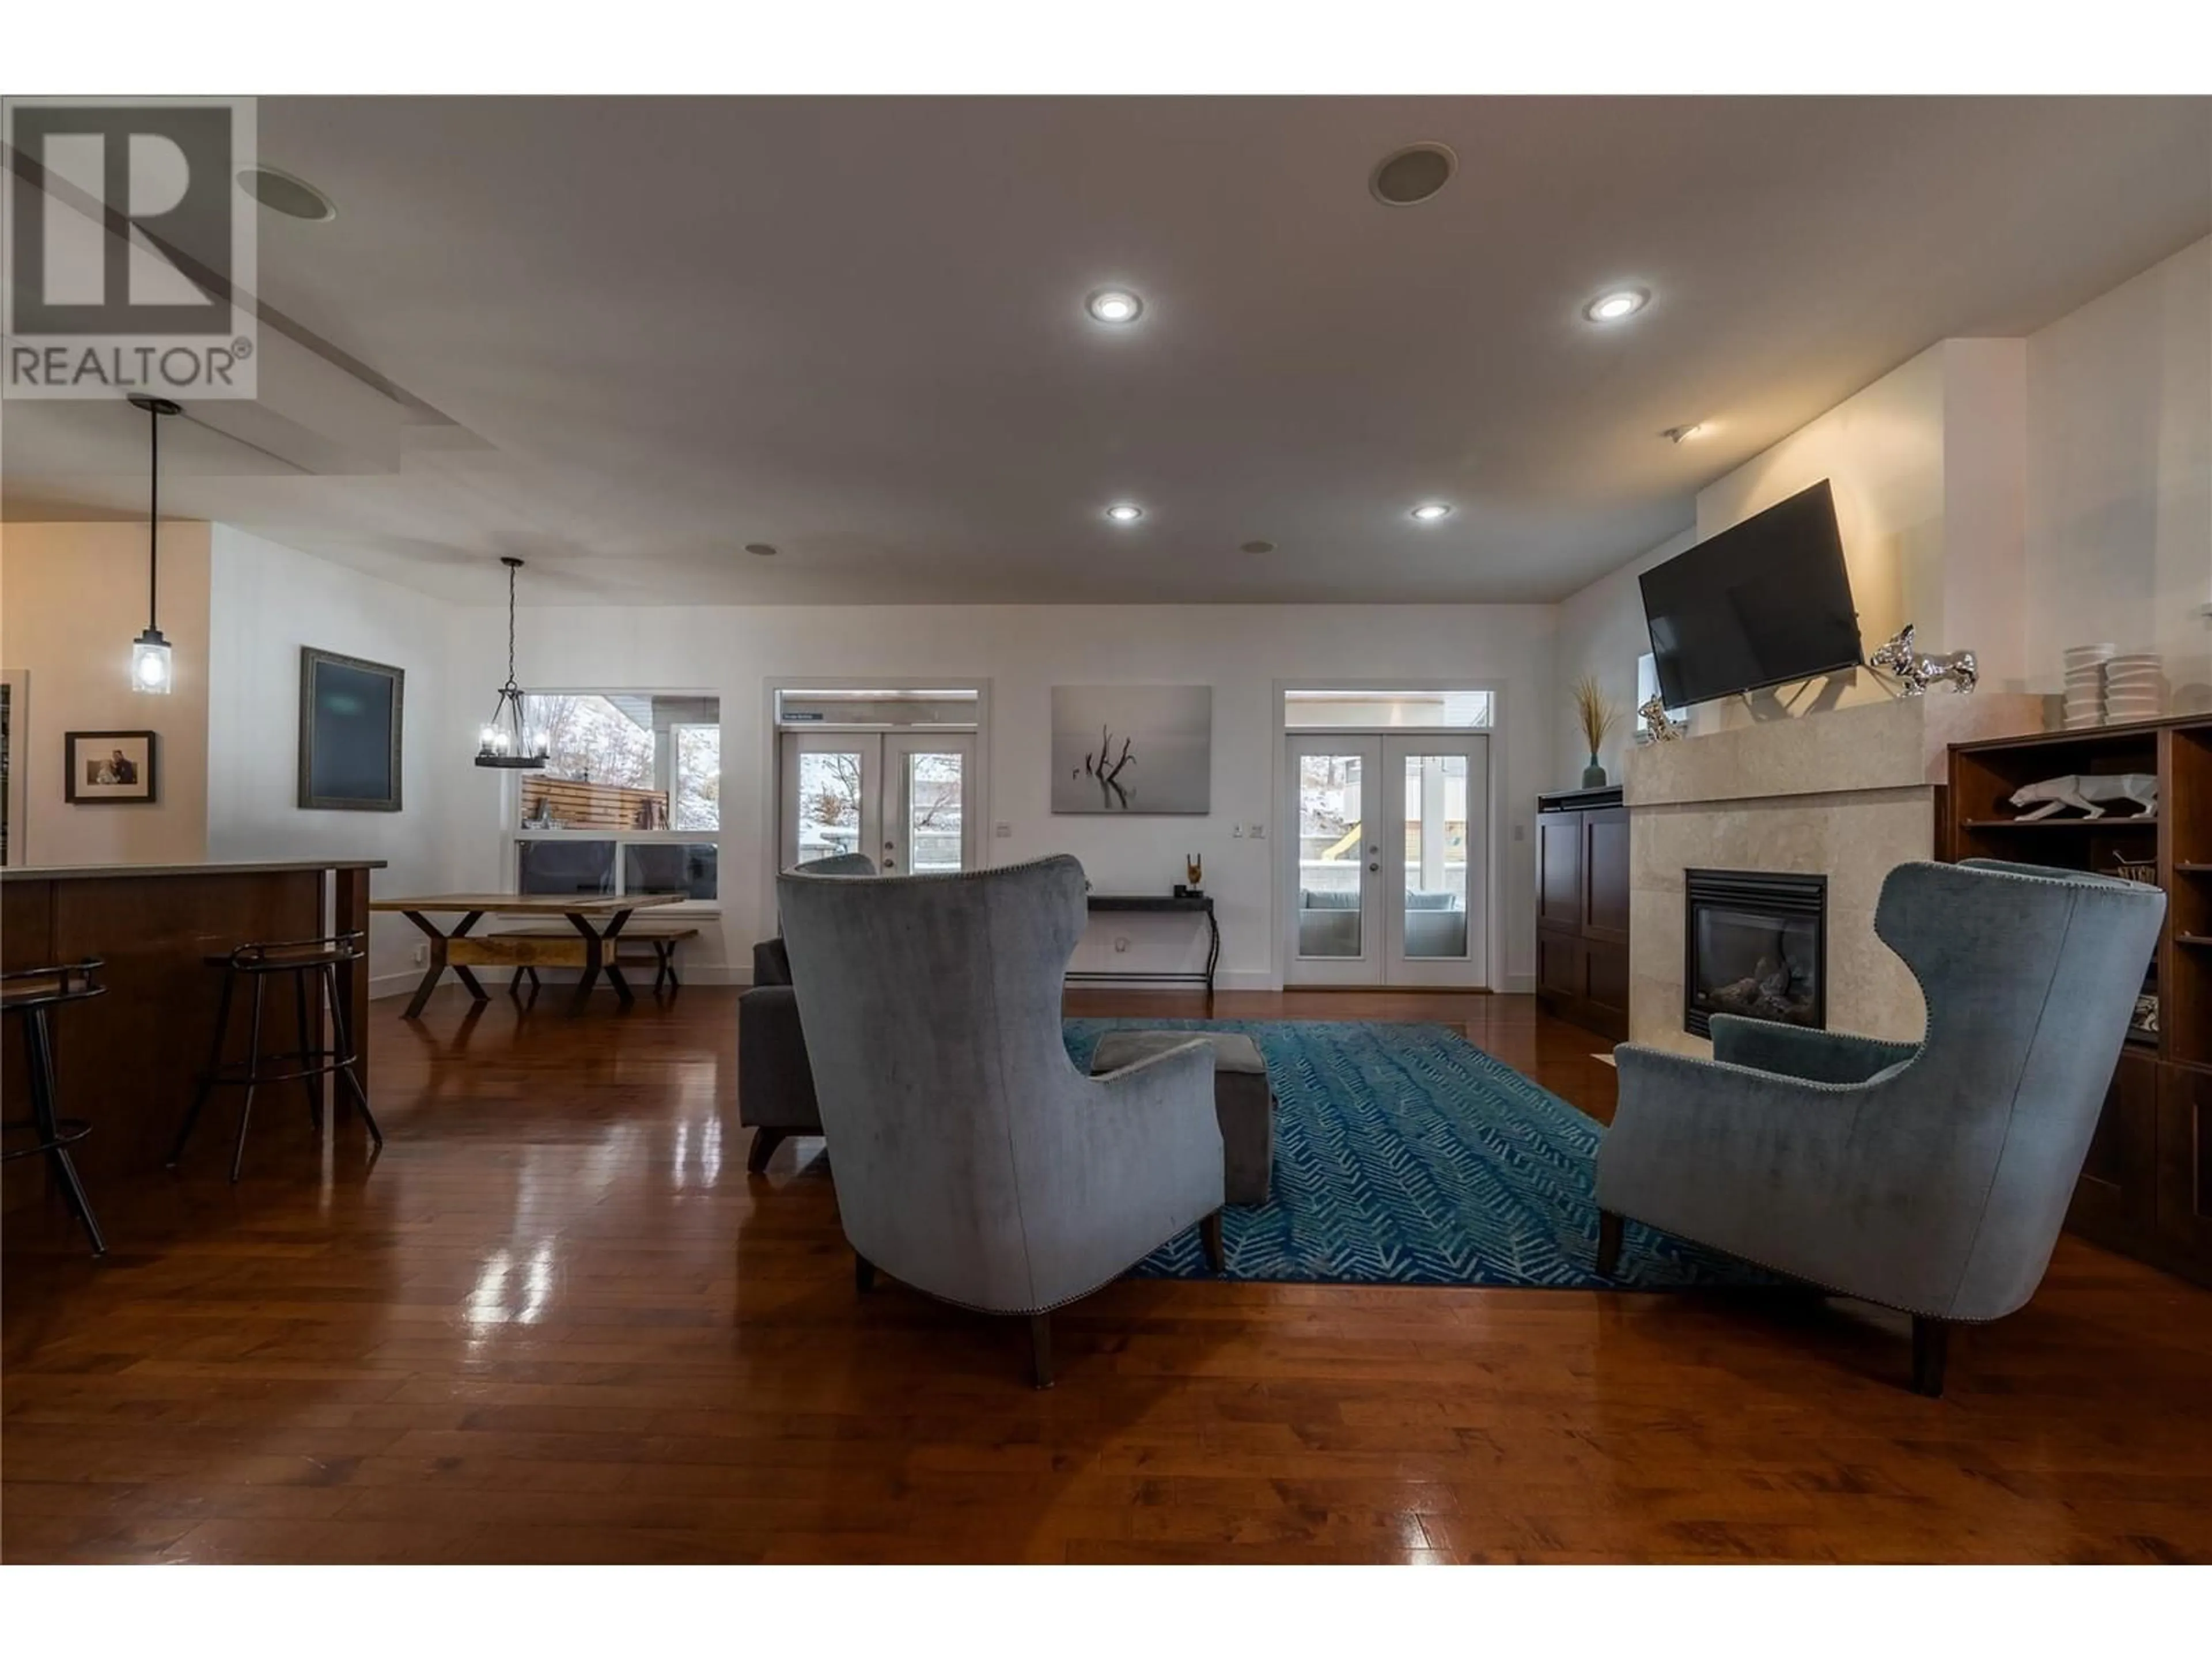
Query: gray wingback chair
pixel 973 1161
pixel 776 1085
pixel 1933 1176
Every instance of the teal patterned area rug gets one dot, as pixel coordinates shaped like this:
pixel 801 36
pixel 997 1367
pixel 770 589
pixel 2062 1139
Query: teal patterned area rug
pixel 1405 1155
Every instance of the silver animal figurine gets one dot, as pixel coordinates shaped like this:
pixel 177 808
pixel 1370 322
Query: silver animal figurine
pixel 1658 724
pixel 1915 672
pixel 2087 793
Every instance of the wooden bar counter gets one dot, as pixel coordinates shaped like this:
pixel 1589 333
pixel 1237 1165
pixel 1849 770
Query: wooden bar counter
pixel 127 1061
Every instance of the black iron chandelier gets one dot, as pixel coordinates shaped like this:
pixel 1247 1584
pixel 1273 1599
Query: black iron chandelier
pixel 504 741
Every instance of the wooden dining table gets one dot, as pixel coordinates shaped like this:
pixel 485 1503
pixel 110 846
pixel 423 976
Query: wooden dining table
pixel 598 918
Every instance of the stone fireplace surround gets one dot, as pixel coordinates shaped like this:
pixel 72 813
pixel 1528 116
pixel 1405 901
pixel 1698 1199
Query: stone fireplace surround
pixel 1848 793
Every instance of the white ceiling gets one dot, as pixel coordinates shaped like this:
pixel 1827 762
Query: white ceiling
pixel 627 337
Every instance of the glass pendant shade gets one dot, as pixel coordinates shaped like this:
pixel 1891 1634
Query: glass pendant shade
pixel 151 667
pixel 150 664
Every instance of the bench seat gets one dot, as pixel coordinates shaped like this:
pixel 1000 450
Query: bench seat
pixel 560 945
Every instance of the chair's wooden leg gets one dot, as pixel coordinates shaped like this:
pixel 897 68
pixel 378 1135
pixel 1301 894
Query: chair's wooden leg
pixel 864 1274
pixel 1209 1236
pixel 1040 1350
pixel 1931 1343
pixel 1608 1243
pixel 765 1141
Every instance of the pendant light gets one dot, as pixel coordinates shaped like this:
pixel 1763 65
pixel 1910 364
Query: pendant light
pixel 150 669
pixel 503 741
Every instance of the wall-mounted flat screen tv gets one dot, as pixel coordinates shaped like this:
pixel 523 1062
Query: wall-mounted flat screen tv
pixel 1764 602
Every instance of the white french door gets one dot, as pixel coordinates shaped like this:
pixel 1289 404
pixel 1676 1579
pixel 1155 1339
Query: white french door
pixel 1388 883
pixel 901 798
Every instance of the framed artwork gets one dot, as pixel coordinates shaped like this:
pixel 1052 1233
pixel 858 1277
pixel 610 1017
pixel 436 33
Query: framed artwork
pixel 108 768
pixel 350 721
pixel 14 778
pixel 1131 748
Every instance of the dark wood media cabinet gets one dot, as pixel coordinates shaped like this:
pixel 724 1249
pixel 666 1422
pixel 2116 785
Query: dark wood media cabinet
pixel 2146 1190
pixel 1582 909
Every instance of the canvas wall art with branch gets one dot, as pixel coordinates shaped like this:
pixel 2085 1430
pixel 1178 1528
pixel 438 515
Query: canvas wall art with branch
pixel 1131 748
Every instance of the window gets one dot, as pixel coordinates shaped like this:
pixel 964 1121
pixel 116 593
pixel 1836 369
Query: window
pixel 1384 711
pixel 630 797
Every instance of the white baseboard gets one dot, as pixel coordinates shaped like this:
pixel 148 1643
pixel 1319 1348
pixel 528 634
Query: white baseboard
pixel 1519 985
pixel 1246 979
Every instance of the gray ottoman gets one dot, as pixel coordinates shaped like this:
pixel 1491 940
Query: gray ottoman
pixel 1242 1100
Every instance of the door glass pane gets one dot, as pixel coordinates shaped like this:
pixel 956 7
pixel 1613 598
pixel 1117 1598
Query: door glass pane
pixel 1436 855
pixel 564 866
pixel 934 789
pixel 1331 856
pixel 667 867
pixel 828 805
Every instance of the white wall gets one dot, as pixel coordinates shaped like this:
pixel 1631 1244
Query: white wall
pixel 72 598
pixel 1241 650
pixel 267 601
pixel 2119 444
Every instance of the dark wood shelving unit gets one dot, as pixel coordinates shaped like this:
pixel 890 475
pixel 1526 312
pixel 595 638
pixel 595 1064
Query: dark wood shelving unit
pixel 2146 1189
pixel 2138 821
pixel 1582 909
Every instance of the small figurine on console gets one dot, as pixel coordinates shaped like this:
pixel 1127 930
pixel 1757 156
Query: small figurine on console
pixel 1915 672
pixel 2087 793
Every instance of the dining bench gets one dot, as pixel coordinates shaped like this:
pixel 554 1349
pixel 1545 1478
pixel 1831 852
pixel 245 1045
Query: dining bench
pixel 561 946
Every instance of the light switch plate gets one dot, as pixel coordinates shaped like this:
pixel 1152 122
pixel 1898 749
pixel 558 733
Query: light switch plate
pixel 1003 831
pixel 1259 832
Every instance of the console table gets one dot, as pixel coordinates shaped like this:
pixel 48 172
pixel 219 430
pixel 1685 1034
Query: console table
pixel 1192 904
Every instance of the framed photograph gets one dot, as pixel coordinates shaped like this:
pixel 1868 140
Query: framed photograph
pixel 1131 749
pixel 350 721
pixel 111 768
pixel 15 774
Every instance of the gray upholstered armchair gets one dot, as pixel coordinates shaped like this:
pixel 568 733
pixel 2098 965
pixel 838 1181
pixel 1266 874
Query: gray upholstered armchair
pixel 973 1161
pixel 776 1085
pixel 1930 1176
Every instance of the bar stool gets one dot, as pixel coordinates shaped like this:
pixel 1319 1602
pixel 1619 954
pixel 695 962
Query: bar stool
pixel 304 960
pixel 32 993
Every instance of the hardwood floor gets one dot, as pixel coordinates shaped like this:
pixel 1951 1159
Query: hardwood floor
pixel 556 1321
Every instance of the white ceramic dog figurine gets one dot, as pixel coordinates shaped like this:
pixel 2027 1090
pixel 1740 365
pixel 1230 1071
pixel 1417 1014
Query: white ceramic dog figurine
pixel 2087 793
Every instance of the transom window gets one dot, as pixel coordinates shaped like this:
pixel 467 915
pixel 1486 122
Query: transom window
pixel 1321 709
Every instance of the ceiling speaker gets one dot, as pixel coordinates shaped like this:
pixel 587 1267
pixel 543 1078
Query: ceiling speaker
pixel 1413 174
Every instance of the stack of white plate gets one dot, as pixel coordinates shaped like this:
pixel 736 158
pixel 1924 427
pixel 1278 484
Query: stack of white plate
pixel 2132 687
pixel 2085 684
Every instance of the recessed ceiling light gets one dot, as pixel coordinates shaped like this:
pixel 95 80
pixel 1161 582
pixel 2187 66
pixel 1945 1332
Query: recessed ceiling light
pixel 1115 305
pixel 1125 513
pixel 1684 434
pixel 280 192
pixel 1429 512
pixel 1257 547
pixel 1612 306
pixel 760 550
pixel 1413 174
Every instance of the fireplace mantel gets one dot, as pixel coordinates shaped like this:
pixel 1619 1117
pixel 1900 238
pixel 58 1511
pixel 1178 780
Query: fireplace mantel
pixel 1901 745
pixel 1848 794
